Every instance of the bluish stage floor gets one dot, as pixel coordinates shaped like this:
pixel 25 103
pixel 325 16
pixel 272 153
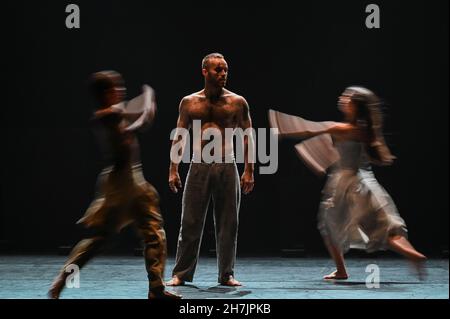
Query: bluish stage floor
pixel 124 277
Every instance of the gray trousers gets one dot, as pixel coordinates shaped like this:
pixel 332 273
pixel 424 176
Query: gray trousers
pixel 219 181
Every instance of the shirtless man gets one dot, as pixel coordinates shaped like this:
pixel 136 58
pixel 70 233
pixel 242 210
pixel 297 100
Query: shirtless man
pixel 218 108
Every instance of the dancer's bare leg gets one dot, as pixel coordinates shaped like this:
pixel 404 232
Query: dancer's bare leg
pixel 338 257
pixel 402 246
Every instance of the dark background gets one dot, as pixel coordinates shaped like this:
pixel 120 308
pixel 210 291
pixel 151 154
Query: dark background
pixel 296 59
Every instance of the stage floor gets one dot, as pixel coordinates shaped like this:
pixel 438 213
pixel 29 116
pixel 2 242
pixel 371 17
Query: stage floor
pixel 124 277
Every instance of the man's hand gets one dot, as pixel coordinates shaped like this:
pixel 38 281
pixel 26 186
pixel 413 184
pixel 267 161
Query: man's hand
pixel 175 182
pixel 247 182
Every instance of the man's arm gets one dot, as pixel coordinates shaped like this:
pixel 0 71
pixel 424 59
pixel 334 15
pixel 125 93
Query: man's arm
pixel 245 122
pixel 183 122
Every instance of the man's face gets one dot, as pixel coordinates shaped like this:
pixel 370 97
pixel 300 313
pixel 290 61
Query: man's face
pixel 216 72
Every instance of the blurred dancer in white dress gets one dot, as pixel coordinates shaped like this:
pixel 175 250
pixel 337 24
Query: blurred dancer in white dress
pixel 355 211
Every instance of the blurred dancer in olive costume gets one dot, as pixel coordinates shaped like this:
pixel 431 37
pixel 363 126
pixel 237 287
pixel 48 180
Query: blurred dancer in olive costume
pixel 123 195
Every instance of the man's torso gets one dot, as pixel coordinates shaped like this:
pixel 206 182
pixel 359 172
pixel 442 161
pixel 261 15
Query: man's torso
pixel 220 114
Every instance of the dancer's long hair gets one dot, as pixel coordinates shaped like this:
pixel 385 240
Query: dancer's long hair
pixel 369 119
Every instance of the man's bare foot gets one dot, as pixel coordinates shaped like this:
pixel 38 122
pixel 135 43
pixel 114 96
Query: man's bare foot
pixel 336 275
pixel 230 282
pixel 175 281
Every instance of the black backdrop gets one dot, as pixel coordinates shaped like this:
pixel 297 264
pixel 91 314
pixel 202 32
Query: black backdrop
pixel 296 59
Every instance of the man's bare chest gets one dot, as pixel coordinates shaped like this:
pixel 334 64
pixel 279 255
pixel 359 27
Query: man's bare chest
pixel 214 112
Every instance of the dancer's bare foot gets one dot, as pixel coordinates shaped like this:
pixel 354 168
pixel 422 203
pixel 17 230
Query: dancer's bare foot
pixel 401 245
pixel 419 267
pixel 53 293
pixel 336 275
pixel 56 287
pixel 231 282
pixel 161 293
pixel 175 281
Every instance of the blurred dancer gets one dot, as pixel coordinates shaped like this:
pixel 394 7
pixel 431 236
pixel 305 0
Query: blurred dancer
pixel 123 195
pixel 355 211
